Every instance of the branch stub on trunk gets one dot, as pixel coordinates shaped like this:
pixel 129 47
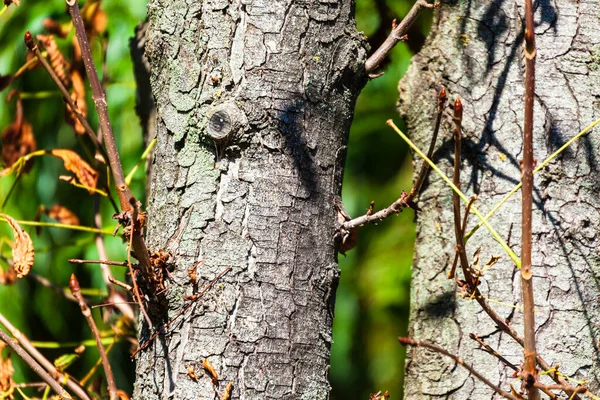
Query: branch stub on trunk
pixel 225 120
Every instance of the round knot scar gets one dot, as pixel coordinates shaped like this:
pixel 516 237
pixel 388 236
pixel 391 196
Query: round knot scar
pixel 225 120
pixel 219 125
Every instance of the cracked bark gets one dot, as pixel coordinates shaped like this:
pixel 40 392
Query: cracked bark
pixel 260 201
pixel 475 49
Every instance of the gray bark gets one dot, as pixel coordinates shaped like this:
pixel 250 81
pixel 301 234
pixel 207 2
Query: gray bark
pixel 278 80
pixel 475 49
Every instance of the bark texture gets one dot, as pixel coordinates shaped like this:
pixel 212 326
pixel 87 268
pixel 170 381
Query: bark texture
pixel 475 49
pixel 275 82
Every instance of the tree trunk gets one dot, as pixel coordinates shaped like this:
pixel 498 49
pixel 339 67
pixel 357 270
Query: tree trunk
pixel 254 103
pixel 475 49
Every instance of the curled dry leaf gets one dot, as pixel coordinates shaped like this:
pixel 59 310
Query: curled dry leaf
pixel 6 372
pixel 227 391
pixel 62 215
pixel 22 251
pixel 380 396
pixel 18 139
pixel 57 60
pixel 208 367
pixel 192 373
pixel 78 97
pixel 86 175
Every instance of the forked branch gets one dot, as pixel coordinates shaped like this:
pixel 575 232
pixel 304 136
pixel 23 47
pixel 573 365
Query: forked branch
pixel 421 343
pixel 398 33
pixel 37 368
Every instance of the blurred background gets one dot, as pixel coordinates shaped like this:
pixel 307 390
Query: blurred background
pixel 373 297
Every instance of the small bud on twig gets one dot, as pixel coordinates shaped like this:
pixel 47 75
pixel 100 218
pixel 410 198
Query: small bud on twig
pixel 29 41
pixel 458 109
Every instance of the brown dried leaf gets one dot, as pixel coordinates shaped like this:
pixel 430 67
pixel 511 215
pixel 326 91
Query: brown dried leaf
pixel 86 175
pixel 227 392
pixel 208 367
pixel 78 97
pixel 490 264
pixel 79 349
pixel 6 372
pixel 57 60
pixel 8 277
pixel 22 251
pixel 476 262
pixel 94 18
pixel 192 373
pixel 100 22
pixel 62 215
pixel 9 2
pixel 56 28
pixel 18 140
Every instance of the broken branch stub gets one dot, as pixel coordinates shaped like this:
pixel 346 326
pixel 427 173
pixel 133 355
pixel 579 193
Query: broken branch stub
pixel 225 121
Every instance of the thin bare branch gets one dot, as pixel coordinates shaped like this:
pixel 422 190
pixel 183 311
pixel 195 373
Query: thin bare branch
pixel 462 231
pixel 564 388
pixel 470 281
pixel 421 343
pixel 114 296
pixel 107 262
pixel 33 47
pixel 405 200
pixel 529 367
pixel 414 192
pixel 87 313
pixel 99 97
pixel 121 284
pixel 397 34
pixel 37 368
pixel 72 384
pixel 493 352
pixel 192 299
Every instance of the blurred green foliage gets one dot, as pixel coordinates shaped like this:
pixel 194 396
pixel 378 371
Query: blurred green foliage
pixel 373 297
pixel 372 304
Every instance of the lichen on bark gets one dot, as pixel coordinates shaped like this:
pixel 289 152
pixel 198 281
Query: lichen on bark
pixel 259 200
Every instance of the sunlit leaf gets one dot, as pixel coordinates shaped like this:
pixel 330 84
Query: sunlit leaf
pixel 62 215
pixel 86 175
pixel 22 250
pixel 210 369
pixel 6 372
pixel 57 60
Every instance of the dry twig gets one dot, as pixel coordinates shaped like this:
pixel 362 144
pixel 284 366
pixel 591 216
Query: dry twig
pixel 397 34
pixel 72 384
pixel 34 365
pixel 529 367
pixel 87 313
pixel 406 199
pixel 420 343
